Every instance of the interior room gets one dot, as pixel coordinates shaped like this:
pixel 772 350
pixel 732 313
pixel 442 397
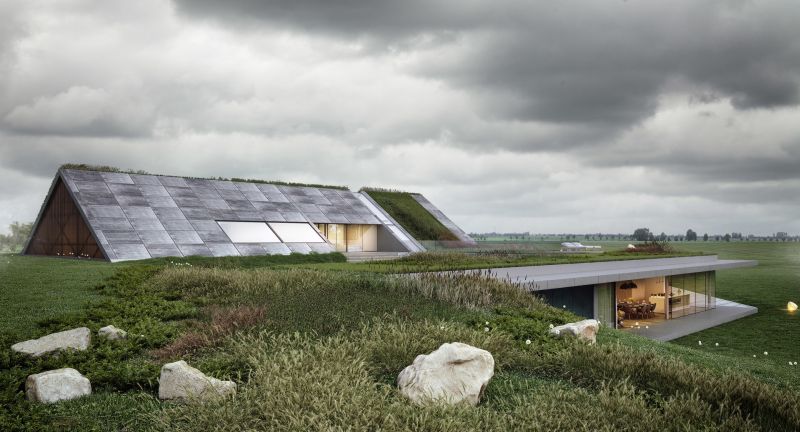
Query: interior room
pixel 351 237
pixel 642 302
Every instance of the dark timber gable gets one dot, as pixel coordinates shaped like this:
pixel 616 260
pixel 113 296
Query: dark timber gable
pixel 62 229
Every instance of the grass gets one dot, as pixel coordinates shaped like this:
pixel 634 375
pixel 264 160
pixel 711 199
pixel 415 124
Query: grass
pixel 769 286
pixel 314 349
pixel 411 215
pixel 454 260
pixel 106 168
pixel 34 289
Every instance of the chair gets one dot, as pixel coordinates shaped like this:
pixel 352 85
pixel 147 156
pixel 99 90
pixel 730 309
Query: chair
pixel 630 311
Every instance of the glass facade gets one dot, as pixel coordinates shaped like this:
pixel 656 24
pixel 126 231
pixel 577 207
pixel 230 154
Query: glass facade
pixel 642 302
pixel 578 300
pixel 691 293
pixel 351 237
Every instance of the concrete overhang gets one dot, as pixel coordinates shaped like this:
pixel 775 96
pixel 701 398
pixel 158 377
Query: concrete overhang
pixel 536 278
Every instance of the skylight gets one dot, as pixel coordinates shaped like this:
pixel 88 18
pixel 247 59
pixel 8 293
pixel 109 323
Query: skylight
pixel 249 232
pixel 296 232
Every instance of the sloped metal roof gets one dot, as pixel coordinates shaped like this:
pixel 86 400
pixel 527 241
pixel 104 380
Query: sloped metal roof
pixel 142 216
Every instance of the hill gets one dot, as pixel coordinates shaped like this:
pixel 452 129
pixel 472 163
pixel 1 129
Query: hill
pixel 320 349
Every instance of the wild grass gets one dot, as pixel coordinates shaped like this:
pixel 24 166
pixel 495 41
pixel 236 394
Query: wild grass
pixel 320 350
pixel 223 322
pixel 345 382
pixel 489 259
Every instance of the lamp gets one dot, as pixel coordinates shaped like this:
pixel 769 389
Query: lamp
pixel 792 306
pixel 627 285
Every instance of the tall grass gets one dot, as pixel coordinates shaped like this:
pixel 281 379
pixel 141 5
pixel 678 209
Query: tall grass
pixel 346 379
pixel 342 382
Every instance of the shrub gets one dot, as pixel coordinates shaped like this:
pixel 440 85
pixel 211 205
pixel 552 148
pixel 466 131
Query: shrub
pixel 223 322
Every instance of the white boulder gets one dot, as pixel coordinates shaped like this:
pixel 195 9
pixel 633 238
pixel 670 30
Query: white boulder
pixel 78 338
pixel 178 380
pixel 112 333
pixel 455 373
pixel 57 385
pixel 585 330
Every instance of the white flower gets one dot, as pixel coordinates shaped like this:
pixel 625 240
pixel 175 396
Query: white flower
pixel 528 342
pixel 565 306
pixel 754 355
pixel 551 326
pixel 766 353
pixel 716 343
pixel 486 329
pixel 441 327
pixel 795 363
pixel 487 323
pixel 790 363
pixel 699 342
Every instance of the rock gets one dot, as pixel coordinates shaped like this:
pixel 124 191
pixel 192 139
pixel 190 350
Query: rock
pixel 455 373
pixel 178 380
pixel 112 333
pixel 57 385
pixel 585 330
pixel 78 339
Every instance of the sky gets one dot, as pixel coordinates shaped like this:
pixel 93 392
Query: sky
pixel 511 116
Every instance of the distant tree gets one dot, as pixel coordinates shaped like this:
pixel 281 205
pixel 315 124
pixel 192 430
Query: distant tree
pixel 705 237
pixel 662 236
pixel 18 235
pixel 691 235
pixel 642 234
pixel 727 237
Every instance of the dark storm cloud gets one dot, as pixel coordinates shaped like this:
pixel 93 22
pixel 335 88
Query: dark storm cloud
pixel 602 64
pixel 390 21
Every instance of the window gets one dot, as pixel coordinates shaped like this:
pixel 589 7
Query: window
pixel 249 232
pixel 296 232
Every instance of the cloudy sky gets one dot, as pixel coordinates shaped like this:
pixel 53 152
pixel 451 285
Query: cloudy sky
pixel 558 116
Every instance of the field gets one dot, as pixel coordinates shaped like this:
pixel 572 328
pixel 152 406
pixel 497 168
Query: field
pixel 316 344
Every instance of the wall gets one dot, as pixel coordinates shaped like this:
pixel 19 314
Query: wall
pixel 579 299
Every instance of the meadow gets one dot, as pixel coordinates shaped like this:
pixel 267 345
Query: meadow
pixel 316 344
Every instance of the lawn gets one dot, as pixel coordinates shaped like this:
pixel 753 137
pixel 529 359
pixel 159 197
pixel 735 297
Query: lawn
pixel 314 349
pixel 769 286
pixel 34 289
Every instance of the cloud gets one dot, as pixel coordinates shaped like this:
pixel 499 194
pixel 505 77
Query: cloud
pixel 81 111
pixel 546 117
pixel 601 64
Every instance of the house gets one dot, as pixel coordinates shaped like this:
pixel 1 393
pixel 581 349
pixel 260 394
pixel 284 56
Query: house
pixel 118 216
pixel 662 298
